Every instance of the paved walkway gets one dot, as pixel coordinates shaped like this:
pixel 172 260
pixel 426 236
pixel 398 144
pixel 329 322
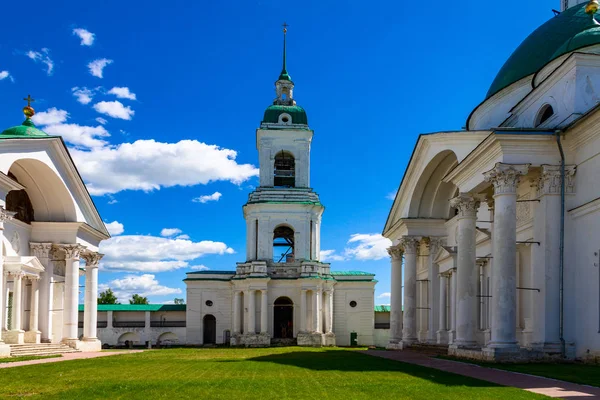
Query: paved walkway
pixel 67 357
pixel 535 384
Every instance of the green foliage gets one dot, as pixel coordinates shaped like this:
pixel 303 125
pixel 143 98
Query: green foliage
pixel 107 297
pixel 137 299
pixel 178 301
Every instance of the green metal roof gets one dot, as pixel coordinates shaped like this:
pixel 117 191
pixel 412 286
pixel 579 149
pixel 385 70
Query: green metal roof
pixel 351 273
pixel 25 130
pixel 382 308
pixel 209 272
pixel 138 307
pixel 297 113
pixel 566 32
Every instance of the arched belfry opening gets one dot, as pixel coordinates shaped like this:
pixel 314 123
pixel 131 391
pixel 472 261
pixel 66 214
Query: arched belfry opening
pixel 285 170
pixel 283 244
pixel 18 201
pixel 283 318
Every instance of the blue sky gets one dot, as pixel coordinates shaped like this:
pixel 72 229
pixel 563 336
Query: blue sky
pixel 172 114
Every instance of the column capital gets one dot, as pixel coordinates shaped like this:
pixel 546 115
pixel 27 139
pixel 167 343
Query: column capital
pixel 482 262
pixel 466 204
pixel 40 250
pixel 5 215
pixel 410 244
pixel 72 251
pixel 506 177
pixel 434 243
pixel 91 258
pixel 395 252
pixel 549 181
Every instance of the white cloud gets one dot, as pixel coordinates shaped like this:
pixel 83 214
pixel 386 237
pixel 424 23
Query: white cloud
pixel 183 237
pixel 391 195
pixel 115 228
pixel 122 93
pixel 144 285
pixel 166 232
pixel 367 246
pixel 386 295
pixel 96 67
pixel 43 57
pixel 87 37
pixel 83 95
pixel 4 75
pixel 155 254
pixel 114 109
pixel 149 165
pixel 78 135
pixel 101 120
pixel 199 268
pixel 329 255
pixel 51 116
pixel 205 199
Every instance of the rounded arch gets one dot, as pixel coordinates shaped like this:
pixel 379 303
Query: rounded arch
pixel 544 114
pixel 283 243
pixel 283 318
pixel 49 197
pixel 129 336
pixel 209 328
pixel 283 301
pixel 168 337
pixel 284 169
pixel 430 195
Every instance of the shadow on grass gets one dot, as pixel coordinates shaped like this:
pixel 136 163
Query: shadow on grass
pixel 351 361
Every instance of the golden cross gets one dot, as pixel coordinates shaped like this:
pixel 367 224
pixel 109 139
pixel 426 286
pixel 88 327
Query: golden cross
pixel 285 26
pixel 29 100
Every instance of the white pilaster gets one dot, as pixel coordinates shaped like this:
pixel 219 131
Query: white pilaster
pixel 236 311
pixel 442 333
pixel 35 304
pixel 505 179
pixel 330 312
pixel 434 289
pixel 42 252
pixel 396 295
pixel 316 310
pixel 452 332
pixel 303 310
pixel 466 283
pixel 410 244
pixel 70 312
pixel 251 311
pixel 264 312
pixel 17 309
pixel 90 309
pixel 4 216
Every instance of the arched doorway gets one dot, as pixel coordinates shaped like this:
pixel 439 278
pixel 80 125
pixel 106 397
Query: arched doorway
pixel 283 318
pixel 210 329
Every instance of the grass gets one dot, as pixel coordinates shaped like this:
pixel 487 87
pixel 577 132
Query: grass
pixel 223 373
pixel 585 374
pixel 26 358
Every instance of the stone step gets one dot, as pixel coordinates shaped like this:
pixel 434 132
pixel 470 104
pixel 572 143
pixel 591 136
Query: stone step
pixel 41 349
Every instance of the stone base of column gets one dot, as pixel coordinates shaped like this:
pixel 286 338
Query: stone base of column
pixel 252 340
pixel 4 350
pixel 45 340
pixel 394 345
pixel 14 337
pixel 310 339
pixel 89 345
pixel 503 354
pixel 442 337
pixel 70 342
pixel 329 339
pixel 33 337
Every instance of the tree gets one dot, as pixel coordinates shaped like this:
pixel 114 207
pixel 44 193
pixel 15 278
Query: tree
pixel 137 299
pixel 178 301
pixel 107 297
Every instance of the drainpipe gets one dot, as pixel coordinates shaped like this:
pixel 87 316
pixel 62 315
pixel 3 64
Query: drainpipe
pixel 561 246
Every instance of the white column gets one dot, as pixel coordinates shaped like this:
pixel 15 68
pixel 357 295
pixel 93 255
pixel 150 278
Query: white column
pixel 410 245
pixel 17 306
pixel 505 179
pixel 35 304
pixel 236 311
pixel 42 252
pixel 264 312
pixel 330 312
pixel 251 312
pixel 90 308
pixel 433 291
pixel 303 310
pixel 453 304
pixel 316 310
pixel 70 311
pixel 396 295
pixel 4 216
pixel 325 313
pixel 441 333
pixel 467 276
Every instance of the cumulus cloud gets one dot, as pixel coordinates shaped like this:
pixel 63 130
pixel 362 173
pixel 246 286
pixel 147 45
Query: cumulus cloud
pixel 87 37
pixel 115 228
pixel 4 75
pixel 199 268
pixel 114 109
pixel 96 67
pixel 155 254
pixel 53 122
pixel 367 246
pixel 42 56
pixel 101 120
pixel 185 237
pixel 385 295
pixel 50 117
pixel 330 255
pixel 122 93
pixel 167 232
pixel 149 165
pixel 83 95
pixel 205 199
pixel 144 285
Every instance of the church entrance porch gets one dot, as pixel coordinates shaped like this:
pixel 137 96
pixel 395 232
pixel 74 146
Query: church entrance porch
pixel 283 318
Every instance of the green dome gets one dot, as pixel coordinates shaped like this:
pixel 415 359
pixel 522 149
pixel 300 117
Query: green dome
pixel 568 31
pixel 297 113
pixel 25 130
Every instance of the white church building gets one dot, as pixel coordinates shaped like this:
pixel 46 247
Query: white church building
pixel 281 292
pixel 48 223
pixel 497 227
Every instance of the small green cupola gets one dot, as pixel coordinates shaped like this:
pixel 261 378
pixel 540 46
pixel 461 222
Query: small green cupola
pixel 27 129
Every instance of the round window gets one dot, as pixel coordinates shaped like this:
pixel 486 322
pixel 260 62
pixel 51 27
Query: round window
pixel 209 303
pixel 285 119
pixel 352 304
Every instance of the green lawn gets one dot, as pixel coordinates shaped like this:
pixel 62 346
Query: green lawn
pixel 223 373
pixel 26 358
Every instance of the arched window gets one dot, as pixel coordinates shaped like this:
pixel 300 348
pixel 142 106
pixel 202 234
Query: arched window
pixel 544 114
pixel 283 244
pixel 285 170
pixel 19 202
